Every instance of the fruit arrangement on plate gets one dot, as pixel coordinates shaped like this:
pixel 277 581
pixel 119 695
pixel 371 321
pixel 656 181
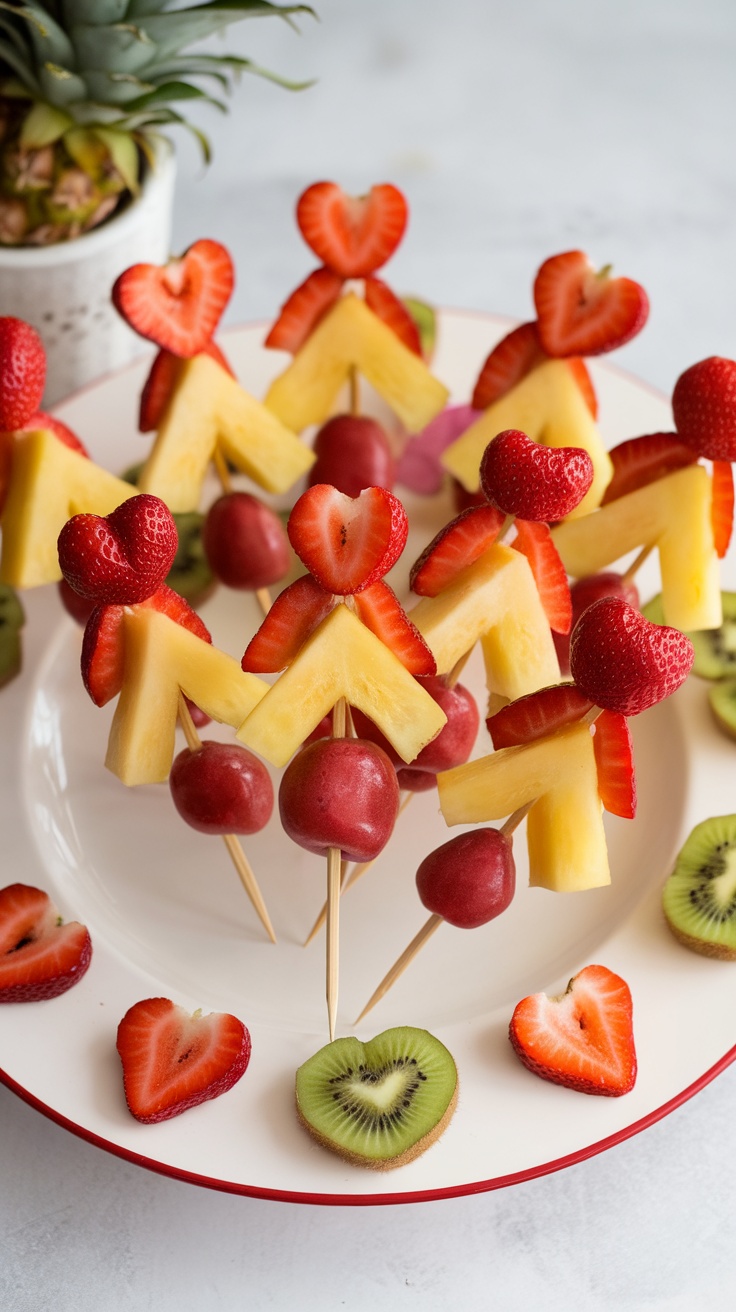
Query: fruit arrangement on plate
pixel 345 700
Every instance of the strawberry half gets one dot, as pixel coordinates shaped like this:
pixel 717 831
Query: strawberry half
pixel 536 482
pixel 535 542
pixel 64 433
pixel 178 305
pixel 347 543
pixel 103 653
pixel 123 557
pixel 581 311
pixel 22 373
pixel 513 358
pixel 457 545
pixel 381 611
pixel 303 310
pixel 161 382
pixel 622 661
pixel 614 758
pixel 583 1039
pixel 294 615
pixel 39 956
pixel 704 408
pixel 173 1061
pixel 537 715
pixel 352 235
pixel 642 460
pixel 722 505
pixel 390 310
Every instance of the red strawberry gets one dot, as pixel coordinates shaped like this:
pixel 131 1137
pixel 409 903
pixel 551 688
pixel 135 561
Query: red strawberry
pixel 537 714
pixel 704 407
pixel 161 382
pixel 173 1061
pixel 536 482
pixel 122 558
pixel 390 310
pixel 583 1039
pixel 642 460
pixel 178 305
pixel 352 235
pixel 347 543
pixel 43 420
pixel 39 956
pixel 614 758
pixel 22 372
pixel 584 312
pixel 103 655
pixel 303 310
pixel 513 358
pixel 622 661
pixel 580 373
pixel 722 505
pixel 381 611
pixel 535 542
pixel 583 592
pixel 457 545
pixel 294 615
pixel 80 608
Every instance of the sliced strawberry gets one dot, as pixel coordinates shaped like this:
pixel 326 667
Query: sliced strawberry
pixel 178 305
pixel 535 542
pixel 390 310
pixel 581 374
pixel 537 714
pixel 457 545
pixel 381 611
pixel 22 372
pixel 173 1060
pixel 513 358
pixel 352 235
pixel 583 1039
pixel 122 557
pixel 584 312
pixel 39 956
pixel 347 543
pixel 542 483
pixel 614 758
pixel 722 505
pixel 103 655
pixel 294 615
pixel 160 384
pixel 642 460
pixel 303 310
pixel 64 433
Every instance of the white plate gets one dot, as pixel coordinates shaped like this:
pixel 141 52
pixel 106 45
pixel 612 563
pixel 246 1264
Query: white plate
pixel 167 914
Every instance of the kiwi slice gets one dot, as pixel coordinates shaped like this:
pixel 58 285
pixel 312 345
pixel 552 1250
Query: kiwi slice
pixel 715 649
pixel 190 574
pixel 699 898
pixel 378 1104
pixel 12 619
pixel 722 699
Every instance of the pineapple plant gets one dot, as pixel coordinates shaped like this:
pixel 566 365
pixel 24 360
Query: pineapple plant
pixel 86 87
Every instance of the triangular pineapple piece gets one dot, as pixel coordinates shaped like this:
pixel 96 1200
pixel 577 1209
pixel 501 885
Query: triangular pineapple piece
pixel 342 658
pixel 49 483
pixel 351 336
pixel 162 657
pixel 549 407
pixel 209 409
pixel 672 514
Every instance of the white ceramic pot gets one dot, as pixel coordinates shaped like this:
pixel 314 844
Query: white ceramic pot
pixel 64 290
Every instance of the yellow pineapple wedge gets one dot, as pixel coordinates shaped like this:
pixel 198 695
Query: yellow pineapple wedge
pixel 49 483
pixel 565 835
pixel 672 514
pixel 342 658
pixel 494 599
pixel 210 410
pixel 549 407
pixel 352 336
pixel 160 658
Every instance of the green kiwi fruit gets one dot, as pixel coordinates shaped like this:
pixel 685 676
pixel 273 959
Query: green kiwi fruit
pixel 378 1104
pixel 699 898
pixel 12 619
pixel 715 649
pixel 722 700
pixel 425 318
pixel 190 574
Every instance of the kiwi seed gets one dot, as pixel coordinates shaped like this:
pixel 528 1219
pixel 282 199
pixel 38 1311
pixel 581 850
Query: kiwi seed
pixel 699 898
pixel 378 1104
pixel 715 649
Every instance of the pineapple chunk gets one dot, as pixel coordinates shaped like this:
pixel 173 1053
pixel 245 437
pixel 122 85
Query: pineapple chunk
pixel 352 336
pixel 673 514
pixel 49 483
pixel 162 657
pixel 209 409
pixel 565 835
pixel 549 407
pixel 342 658
pixel 494 599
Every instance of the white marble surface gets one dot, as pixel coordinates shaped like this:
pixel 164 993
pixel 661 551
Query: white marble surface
pixel 515 131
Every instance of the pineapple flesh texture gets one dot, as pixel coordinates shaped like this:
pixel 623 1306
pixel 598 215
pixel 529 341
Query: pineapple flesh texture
pixel 342 658
pixel 351 336
pixel 549 407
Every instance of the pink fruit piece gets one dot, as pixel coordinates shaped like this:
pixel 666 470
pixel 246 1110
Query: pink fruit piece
pixel 582 594
pixel 221 788
pixel 40 957
pixel 704 407
pixel 347 543
pixel 532 481
pixel 22 372
pixel 245 542
pixel 419 465
pixel 122 558
pixel 622 662
pixel 470 879
pixel 353 452
pixel 340 793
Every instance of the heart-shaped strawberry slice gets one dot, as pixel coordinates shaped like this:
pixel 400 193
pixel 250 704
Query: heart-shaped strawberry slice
pixel 178 305
pixel 623 662
pixel 536 482
pixel 352 235
pixel 123 558
pixel 346 542
pixel 583 311
pixel 704 407
pixel 40 957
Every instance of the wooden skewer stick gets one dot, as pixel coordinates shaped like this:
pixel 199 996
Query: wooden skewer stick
pixel 637 564
pixel 354 387
pixel 334 864
pixel 231 841
pixel 263 596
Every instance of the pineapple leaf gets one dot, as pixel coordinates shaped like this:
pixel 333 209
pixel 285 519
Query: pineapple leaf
pixel 99 12
pixel 43 125
pixel 124 155
pixel 208 66
pixel 94 148
pixel 120 48
pixel 10 56
pixel 116 88
pixel 49 40
pixel 169 92
pixel 174 31
pixel 144 8
pixel 59 86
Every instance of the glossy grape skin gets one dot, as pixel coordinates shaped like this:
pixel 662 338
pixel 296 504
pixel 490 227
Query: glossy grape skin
pixel 221 788
pixel 353 452
pixel 340 792
pixel 469 880
pixel 245 542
